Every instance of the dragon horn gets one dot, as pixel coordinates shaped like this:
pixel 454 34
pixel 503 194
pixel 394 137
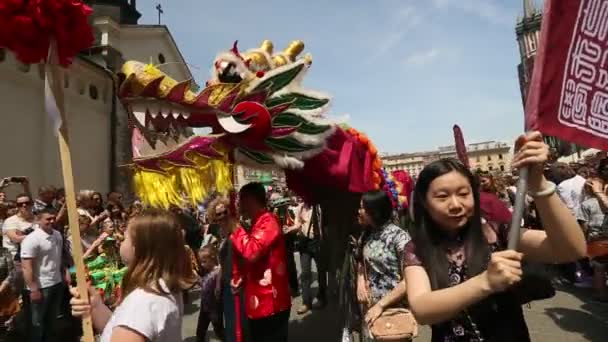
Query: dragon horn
pixel 267 46
pixel 235 49
pixel 294 49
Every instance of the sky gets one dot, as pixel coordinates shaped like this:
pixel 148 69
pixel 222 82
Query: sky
pixel 402 71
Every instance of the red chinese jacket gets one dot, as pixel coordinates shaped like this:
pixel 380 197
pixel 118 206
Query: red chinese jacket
pixel 264 267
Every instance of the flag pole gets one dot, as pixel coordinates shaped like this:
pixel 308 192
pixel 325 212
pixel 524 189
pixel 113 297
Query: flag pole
pixel 518 209
pixel 55 106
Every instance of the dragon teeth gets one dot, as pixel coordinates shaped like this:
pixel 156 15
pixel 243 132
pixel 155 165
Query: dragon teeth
pixel 185 115
pixel 141 117
pixel 165 112
pixel 176 114
pixel 153 109
pixel 139 112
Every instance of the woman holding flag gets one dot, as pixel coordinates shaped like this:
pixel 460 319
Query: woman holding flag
pixel 460 277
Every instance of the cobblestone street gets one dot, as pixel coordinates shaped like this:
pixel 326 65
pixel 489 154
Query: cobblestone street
pixel 570 316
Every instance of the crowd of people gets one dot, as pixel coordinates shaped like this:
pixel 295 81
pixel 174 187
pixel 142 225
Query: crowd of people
pixel 450 266
pixel 36 257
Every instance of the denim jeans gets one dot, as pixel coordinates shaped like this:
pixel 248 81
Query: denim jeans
pixel 307 255
pixel 43 314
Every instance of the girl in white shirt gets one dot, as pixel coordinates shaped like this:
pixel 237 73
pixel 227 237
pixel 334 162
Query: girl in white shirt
pixel 151 308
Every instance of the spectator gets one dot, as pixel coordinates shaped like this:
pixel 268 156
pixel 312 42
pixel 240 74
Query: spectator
pixel 380 283
pixel 190 225
pixel 2 196
pixel 570 191
pixel 41 256
pixel 9 299
pixel 60 197
pixel 135 209
pixel 210 309
pixel 306 227
pixel 88 207
pixel 220 211
pixel 264 273
pixel 16 227
pixel 593 219
pixel 115 197
pixel 46 199
pixel 11 208
pixel 570 186
pixel 152 285
pixel 97 204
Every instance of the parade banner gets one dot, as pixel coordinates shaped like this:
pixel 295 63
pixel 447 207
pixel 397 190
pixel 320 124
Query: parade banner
pixel 568 96
pixel 461 147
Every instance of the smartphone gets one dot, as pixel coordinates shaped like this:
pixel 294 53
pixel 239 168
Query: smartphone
pixel 17 179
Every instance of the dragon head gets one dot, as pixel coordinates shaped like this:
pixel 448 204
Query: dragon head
pixel 254 105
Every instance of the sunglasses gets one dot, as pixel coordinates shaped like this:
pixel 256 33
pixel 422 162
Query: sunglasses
pixel 24 204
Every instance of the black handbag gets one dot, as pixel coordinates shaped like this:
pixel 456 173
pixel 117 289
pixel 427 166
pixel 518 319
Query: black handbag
pixel 535 283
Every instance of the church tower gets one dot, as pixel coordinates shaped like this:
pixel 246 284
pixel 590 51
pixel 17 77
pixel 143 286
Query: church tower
pixel 123 12
pixel 528 36
pixel 527 31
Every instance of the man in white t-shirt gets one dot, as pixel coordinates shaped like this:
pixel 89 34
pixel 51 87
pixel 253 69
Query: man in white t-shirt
pixel 16 227
pixel 41 255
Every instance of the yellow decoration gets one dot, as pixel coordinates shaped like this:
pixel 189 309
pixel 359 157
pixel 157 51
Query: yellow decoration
pixel 259 59
pixel 290 54
pixel 169 186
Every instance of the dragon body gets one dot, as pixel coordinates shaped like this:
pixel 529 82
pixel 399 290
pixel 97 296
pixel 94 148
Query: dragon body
pixel 256 112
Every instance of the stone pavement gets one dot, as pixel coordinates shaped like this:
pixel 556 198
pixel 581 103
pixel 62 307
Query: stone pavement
pixel 570 316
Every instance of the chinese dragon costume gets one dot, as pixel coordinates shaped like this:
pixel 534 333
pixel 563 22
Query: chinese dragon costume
pixel 258 115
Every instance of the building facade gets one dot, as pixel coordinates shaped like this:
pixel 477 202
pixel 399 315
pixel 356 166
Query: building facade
pixel 527 31
pixel 98 124
pixel 246 175
pixel 491 156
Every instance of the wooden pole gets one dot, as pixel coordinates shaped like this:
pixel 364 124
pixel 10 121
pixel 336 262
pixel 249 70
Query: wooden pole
pixel 55 78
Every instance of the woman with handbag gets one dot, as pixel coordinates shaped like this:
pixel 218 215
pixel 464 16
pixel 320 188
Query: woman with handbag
pixel 380 286
pixel 458 280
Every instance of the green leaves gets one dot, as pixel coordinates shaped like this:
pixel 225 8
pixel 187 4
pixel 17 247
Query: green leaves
pixel 258 157
pixel 288 144
pixel 279 81
pixel 287 119
pixel 298 101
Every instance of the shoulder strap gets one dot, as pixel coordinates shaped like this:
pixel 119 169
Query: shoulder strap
pixel 312 214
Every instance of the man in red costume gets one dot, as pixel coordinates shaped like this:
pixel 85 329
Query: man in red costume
pixel 263 270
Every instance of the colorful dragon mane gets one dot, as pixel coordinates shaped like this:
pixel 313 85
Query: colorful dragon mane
pixel 258 114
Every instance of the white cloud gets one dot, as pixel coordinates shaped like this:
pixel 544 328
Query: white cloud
pixel 488 10
pixel 402 21
pixel 422 57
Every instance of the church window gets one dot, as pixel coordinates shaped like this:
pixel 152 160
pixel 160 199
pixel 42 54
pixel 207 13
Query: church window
pixel 161 58
pixel 93 93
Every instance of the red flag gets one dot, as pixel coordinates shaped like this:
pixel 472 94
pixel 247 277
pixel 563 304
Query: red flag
pixel 461 148
pixel 568 95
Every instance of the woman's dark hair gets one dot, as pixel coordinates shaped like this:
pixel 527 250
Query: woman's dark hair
pixel 430 240
pixel 378 206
